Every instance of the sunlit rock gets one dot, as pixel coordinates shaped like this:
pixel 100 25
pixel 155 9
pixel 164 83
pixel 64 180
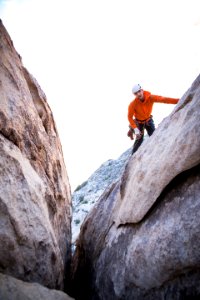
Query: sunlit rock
pixel 35 200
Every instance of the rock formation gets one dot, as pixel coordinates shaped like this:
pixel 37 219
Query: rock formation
pixel 35 200
pixel 86 195
pixel 142 238
pixel 14 289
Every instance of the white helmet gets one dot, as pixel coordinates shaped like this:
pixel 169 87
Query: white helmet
pixel 136 88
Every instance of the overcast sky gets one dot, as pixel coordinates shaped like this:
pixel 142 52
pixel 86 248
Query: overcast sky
pixel 86 55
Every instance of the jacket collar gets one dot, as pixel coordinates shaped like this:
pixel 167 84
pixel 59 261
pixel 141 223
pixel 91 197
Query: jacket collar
pixel 146 96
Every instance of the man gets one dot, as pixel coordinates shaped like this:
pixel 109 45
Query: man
pixel 139 114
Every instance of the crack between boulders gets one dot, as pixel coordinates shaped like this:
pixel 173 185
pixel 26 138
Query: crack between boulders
pixel 178 179
pixel 11 137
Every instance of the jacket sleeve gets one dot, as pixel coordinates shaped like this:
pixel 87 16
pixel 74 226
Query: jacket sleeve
pixel 131 114
pixel 161 99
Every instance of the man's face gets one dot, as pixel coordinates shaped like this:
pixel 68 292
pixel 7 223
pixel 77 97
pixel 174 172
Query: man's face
pixel 140 95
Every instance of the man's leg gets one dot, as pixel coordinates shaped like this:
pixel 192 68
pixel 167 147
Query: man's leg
pixel 138 141
pixel 150 127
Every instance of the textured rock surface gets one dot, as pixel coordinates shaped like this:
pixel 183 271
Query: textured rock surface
pixel 87 194
pixel 14 289
pixel 35 204
pixel 173 148
pixel 157 258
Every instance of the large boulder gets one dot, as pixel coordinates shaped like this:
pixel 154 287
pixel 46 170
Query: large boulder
pixel 35 199
pixel 14 289
pixel 148 249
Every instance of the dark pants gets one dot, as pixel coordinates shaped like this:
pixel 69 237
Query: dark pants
pixel 149 126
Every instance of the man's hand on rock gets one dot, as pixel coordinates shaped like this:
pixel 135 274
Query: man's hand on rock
pixel 138 133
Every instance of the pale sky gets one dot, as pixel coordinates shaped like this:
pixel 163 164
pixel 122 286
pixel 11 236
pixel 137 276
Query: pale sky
pixel 87 54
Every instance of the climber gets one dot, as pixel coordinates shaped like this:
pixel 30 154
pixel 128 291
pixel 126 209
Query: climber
pixel 139 114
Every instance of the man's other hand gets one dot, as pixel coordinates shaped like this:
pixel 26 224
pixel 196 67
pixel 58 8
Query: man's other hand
pixel 130 133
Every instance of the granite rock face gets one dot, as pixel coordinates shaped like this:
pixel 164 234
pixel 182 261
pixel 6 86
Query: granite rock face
pixel 148 249
pixel 14 289
pixel 35 199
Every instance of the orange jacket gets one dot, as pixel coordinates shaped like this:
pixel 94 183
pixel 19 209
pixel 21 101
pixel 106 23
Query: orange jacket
pixel 142 110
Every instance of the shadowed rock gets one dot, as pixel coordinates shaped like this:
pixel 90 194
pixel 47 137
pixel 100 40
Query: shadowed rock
pixel 14 289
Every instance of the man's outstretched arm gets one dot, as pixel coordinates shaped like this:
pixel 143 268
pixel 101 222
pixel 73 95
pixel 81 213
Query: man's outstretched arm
pixel 162 99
